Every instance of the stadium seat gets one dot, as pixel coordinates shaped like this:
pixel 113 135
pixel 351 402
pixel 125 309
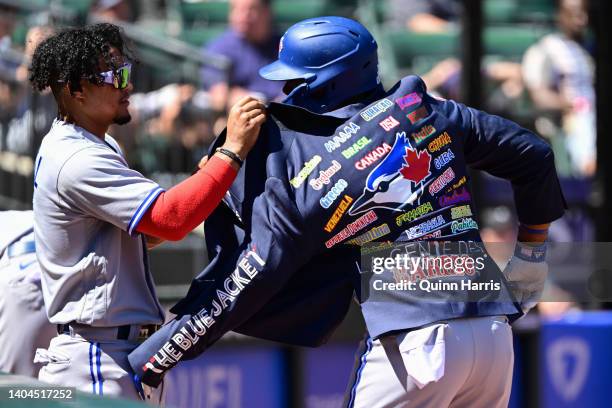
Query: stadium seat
pixel 78 6
pixel 542 11
pixel 495 11
pixel 289 12
pixel 202 13
pixel 18 36
pixel 380 9
pixel 406 45
pixel 33 4
pixel 519 11
pixel 506 41
pixel 511 41
pixel 199 36
pixel 500 11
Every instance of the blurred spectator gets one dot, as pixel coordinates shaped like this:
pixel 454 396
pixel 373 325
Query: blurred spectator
pixel 444 79
pixel 7 25
pixel 249 43
pixel 113 10
pixel 8 63
pixel 34 36
pixel 31 114
pixel 424 16
pixel 559 73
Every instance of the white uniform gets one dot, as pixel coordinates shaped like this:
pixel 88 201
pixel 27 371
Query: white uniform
pixel 23 322
pixel 95 278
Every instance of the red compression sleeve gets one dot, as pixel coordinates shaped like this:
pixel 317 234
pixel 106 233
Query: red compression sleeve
pixel 179 210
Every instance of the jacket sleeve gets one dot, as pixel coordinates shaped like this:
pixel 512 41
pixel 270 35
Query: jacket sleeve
pixel 239 286
pixel 506 150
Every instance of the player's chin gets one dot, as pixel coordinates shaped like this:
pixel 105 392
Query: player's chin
pixel 122 119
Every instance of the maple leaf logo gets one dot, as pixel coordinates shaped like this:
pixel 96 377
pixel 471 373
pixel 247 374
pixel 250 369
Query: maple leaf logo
pixel 417 164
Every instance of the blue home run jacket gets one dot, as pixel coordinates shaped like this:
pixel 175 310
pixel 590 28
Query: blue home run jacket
pixel 391 170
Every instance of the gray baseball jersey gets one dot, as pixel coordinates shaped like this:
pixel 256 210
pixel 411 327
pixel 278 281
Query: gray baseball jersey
pixel 23 322
pixel 87 205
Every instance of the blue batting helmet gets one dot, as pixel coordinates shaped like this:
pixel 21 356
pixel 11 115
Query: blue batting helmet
pixel 336 57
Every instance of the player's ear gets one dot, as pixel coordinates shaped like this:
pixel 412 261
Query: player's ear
pixel 63 95
pixel 78 94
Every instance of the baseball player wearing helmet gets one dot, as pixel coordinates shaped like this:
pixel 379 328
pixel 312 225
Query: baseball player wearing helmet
pixel 344 162
pixel 94 216
pixel 23 322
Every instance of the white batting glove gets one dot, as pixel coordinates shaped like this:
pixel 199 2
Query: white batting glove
pixel 526 274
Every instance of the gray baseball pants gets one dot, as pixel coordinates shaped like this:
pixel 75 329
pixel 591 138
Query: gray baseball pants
pixel 94 364
pixel 455 363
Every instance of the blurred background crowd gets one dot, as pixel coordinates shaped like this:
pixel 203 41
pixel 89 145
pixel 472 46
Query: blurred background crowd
pixel 532 61
pixel 196 57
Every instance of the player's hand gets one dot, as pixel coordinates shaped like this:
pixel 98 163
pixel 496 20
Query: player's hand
pixel 243 124
pixel 526 281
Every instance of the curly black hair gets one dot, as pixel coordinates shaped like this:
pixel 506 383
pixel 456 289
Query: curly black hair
pixel 74 54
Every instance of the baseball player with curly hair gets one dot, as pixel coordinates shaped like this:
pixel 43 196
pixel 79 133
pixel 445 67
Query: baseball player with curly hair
pixel 95 217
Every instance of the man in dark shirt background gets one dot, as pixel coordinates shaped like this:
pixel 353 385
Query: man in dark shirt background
pixel 424 16
pixel 250 43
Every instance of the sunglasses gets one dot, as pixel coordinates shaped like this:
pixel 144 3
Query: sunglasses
pixel 119 78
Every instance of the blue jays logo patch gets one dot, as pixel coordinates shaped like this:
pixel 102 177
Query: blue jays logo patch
pixel 399 180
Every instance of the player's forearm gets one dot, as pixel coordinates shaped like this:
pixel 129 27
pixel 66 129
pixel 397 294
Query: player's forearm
pixel 538 196
pixel 179 210
pixel 537 192
pixel 506 150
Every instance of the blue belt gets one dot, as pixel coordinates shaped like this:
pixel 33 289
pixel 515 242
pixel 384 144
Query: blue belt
pixel 21 248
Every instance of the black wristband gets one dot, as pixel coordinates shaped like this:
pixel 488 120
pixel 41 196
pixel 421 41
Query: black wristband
pixel 230 154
